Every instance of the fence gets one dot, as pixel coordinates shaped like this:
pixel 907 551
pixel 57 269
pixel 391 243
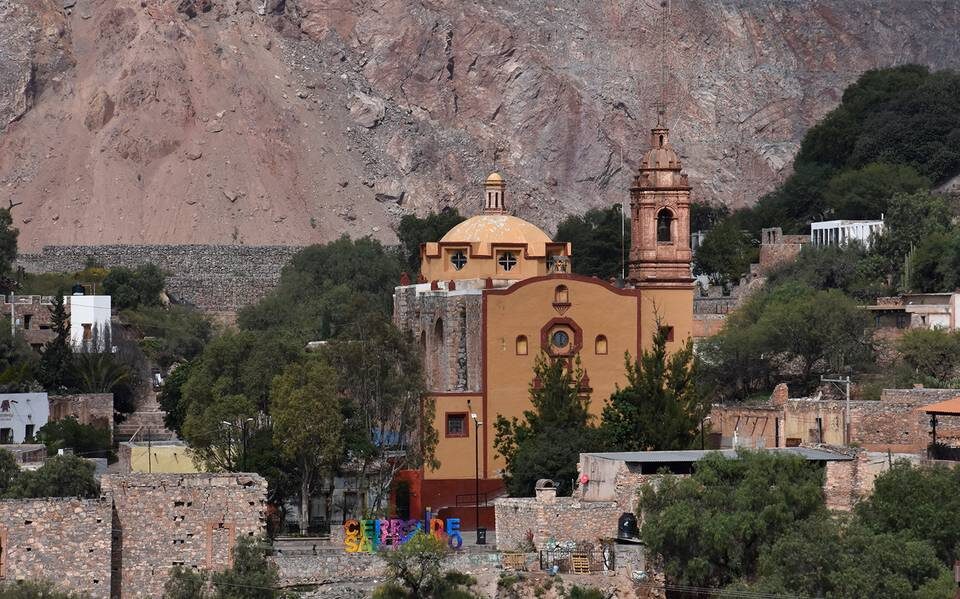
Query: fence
pixel 578 561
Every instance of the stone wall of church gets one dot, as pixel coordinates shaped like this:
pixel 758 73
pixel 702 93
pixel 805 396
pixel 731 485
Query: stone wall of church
pixel 217 278
pixel 448 326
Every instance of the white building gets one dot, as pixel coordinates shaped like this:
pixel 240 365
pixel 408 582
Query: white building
pixel 22 415
pixel 89 319
pixel 842 232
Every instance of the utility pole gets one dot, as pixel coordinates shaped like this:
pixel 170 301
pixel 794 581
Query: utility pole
pixel 149 452
pixel 846 415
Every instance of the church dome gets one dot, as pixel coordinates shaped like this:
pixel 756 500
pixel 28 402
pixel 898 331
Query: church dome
pixel 496 229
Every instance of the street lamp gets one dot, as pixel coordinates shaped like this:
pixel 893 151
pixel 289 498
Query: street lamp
pixel 476 479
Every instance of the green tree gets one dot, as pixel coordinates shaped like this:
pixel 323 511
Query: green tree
pixel 141 286
pixel 308 423
pixel 18 363
pixel 8 241
pixel 186 583
pixel 230 382
pixel 595 238
pixel 171 399
pixel 414 231
pixel 850 269
pixel 917 502
pixel 661 407
pixel 815 329
pixel 60 476
pixel 863 193
pixel 386 410
pixel 35 589
pixel 9 470
pixel 707 215
pixel 415 571
pixel 68 433
pixel 711 528
pixel 548 441
pixel 931 354
pixel 170 334
pixel 98 372
pixel 725 254
pixel 55 371
pixel 325 287
pixel 252 575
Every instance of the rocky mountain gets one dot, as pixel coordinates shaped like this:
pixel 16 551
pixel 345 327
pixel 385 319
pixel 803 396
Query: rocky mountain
pixel 290 122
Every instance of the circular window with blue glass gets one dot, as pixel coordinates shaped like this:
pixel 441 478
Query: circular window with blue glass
pixel 560 339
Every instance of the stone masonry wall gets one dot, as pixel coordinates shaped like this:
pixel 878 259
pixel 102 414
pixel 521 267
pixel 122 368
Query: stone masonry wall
pixel 211 277
pixel 191 520
pixel 65 541
pixel 452 359
pixel 88 408
pixel 562 519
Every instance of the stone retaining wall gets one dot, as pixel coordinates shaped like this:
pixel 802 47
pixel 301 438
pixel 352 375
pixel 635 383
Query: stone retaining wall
pixel 95 409
pixel 219 278
pixel 65 541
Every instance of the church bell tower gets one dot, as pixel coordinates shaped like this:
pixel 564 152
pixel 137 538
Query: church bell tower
pixel 660 218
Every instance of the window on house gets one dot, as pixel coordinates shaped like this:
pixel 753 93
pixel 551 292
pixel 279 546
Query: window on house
pixel 561 295
pixel 664 220
pixel 507 261
pixel 668 331
pixel 28 432
pixel 457 424
pixel 600 345
pixel 521 345
pixel 458 259
pixel 26 321
pixel 87 331
pixel 6 436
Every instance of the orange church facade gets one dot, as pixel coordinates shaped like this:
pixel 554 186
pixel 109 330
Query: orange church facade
pixel 496 291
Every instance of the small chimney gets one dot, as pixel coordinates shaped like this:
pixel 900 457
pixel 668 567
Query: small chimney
pixel 546 491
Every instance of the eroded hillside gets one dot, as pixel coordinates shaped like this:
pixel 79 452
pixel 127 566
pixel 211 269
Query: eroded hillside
pixel 264 122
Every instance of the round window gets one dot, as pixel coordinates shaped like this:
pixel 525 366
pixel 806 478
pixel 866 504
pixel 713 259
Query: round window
pixel 560 339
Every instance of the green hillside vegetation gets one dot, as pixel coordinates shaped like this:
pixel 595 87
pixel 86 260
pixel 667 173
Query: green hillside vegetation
pixel 883 151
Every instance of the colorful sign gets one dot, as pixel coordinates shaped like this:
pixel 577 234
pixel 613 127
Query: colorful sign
pixel 369 536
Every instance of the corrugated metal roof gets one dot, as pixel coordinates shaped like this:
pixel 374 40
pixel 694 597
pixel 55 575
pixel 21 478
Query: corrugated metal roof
pixel 694 455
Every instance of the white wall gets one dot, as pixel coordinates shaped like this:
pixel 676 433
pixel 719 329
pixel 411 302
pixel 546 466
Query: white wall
pixel 92 310
pixel 20 410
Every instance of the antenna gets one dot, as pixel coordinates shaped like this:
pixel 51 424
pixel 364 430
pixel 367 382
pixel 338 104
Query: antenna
pixel 661 103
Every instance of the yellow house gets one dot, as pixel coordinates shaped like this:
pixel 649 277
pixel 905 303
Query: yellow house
pixel 171 457
pixel 495 291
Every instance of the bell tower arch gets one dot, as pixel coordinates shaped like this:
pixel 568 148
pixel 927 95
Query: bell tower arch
pixel 660 252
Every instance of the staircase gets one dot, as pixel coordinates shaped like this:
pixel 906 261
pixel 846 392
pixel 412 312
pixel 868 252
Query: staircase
pixel 146 423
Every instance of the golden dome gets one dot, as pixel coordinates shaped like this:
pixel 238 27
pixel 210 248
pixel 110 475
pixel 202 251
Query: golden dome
pixel 494 178
pixel 487 229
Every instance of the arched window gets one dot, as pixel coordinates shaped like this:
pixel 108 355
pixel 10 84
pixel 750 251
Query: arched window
pixel 521 345
pixel 664 220
pixel 600 345
pixel 561 295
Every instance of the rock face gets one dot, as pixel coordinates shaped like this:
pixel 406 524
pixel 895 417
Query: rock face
pixel 238 120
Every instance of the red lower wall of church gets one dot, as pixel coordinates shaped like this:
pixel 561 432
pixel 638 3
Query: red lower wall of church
pixel 443 494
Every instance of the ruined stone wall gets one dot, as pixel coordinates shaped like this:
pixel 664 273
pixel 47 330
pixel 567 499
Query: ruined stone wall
pixel 95 409
pixel 211 277
pixel 751 424
pixel 193 520
pixel 448 327
pixel 65 541
pixel 562 519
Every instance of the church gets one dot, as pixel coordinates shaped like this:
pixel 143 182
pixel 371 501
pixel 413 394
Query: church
pixel 496 291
